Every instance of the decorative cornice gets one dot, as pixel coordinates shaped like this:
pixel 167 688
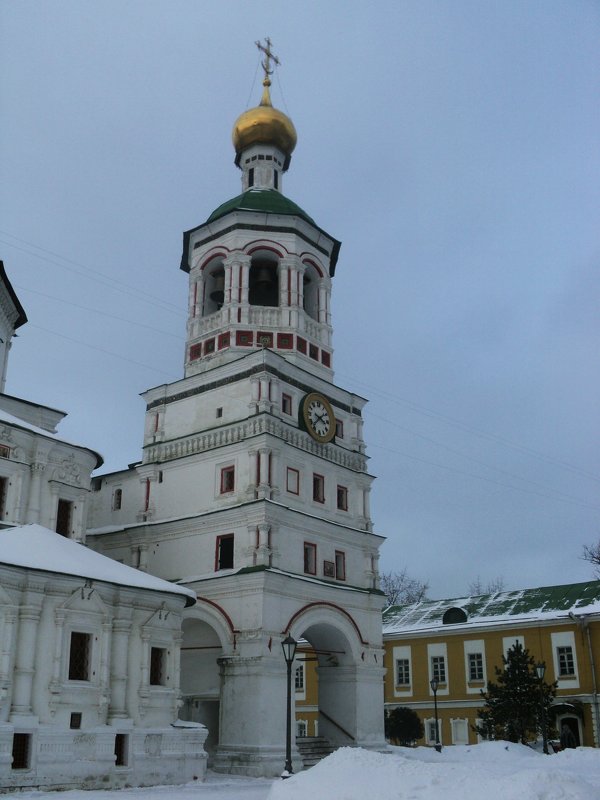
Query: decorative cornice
pixel 241 431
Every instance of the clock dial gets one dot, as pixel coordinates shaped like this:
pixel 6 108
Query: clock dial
pixel 318 417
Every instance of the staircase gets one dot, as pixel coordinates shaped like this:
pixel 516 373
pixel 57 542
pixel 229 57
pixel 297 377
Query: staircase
pixel 313 749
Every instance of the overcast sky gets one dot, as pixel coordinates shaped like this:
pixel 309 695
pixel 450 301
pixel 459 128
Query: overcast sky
pixel 452 146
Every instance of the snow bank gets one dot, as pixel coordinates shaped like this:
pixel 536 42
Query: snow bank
pixel 492 771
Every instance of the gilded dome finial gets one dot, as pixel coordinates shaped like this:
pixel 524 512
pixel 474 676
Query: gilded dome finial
pixel 266 65
pixel 265 124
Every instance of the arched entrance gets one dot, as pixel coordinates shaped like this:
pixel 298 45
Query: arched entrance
pixel 200 680
pixel 341 698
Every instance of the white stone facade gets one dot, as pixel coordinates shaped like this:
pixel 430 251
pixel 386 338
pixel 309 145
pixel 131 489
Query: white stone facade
pixel 89 671
pixel 236 498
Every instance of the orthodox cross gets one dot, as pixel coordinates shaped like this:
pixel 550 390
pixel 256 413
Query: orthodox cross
pixel 266 64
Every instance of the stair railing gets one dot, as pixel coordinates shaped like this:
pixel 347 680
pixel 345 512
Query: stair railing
pixel 337 725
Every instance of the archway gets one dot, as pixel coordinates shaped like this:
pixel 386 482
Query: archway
pixel 342 696
pixel 200 680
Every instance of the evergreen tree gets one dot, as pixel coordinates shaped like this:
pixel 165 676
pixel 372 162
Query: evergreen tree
pixel 403 726
pixel 513 705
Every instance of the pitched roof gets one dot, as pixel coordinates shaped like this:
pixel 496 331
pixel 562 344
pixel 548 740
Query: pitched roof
pixel 545 602
pixel 36 547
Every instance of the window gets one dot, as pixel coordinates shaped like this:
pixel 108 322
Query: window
pixel 301 728
pixel 293 481
pixel 3 488
pixel 224 558
pixel 21 751
pixel 299 678
pixel 438 668
pixel 79 656
pixel 64 514
pixel 158 659
pixel 121 749
pixel 251 176
pixel 566 662
pixel 219 412
pixel 75 721
pixel 339 429
pixel 286 404
pixel 475 667
pixel 340 565
pixel 402 672
pixel 342 498
pixel 227 479
pixel 318 488
pixel 431 732
pixel 4 451
pixel 275 179
pixel 310 558
pixel 117 499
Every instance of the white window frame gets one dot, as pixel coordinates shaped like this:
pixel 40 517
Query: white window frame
pixel 300 694
pixel 429 725
pixel 509 641
pixel 438 650
pixel 456 726
pixel 474 647
pixel 565 639
pixel 398 653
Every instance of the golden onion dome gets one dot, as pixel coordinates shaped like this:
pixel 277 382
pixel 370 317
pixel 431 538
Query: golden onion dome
pixel 264 125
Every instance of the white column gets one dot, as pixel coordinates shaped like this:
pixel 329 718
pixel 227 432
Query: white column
pixel 263 486
pixel 121 630
pixel 29 617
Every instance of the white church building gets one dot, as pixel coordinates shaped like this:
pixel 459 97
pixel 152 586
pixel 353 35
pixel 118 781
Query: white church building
pixel 253 489
pixel 89 648
pixel 143 609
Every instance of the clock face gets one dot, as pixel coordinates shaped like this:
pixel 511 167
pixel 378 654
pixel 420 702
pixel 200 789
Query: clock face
pixel 318 417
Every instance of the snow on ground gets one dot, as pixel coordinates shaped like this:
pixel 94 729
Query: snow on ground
pixel 488 771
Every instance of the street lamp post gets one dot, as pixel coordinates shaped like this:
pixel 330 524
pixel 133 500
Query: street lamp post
pixel 540 669
pixel 289 645
pixel 434 683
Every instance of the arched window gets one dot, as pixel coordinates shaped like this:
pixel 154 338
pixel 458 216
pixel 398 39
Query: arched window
pixel 454 615
pixel 311 291
pixel 214 286
pixel 263 282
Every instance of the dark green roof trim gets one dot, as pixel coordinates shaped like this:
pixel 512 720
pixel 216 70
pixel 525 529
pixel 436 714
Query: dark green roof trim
pixel 231 207
pixel 269 201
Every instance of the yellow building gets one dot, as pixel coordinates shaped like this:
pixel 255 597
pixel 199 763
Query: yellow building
pixel 460 641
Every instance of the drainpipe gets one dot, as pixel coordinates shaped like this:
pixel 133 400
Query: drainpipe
pixel 585 627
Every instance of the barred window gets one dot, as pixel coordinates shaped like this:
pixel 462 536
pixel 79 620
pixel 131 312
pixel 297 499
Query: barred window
pixel 157 666
pixel 79 656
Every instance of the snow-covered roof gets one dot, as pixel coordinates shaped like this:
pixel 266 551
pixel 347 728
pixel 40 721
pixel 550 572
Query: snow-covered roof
pixel 524 605
pixel 10 419
pixel 36 547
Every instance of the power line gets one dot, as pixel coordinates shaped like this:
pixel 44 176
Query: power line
pixel 101 313
pixel 102 350
pixel 95 275
pixel 427 412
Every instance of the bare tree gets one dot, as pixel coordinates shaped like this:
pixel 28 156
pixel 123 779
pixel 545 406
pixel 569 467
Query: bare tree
pixel 591 553
pixel 401 589
pixel 491 587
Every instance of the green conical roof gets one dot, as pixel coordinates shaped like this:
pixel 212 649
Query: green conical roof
pixel 266 200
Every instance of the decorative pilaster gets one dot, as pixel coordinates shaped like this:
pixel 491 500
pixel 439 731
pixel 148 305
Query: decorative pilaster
pixel 121 629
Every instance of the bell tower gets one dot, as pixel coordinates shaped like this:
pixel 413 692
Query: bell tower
pixel 253 487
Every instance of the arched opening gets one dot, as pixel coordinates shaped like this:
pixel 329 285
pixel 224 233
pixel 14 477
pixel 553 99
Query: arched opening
pixel 263 280
pixel 311 291
pixel 214 286
pixel 336 696
pixel 569 731
pixel 200 680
